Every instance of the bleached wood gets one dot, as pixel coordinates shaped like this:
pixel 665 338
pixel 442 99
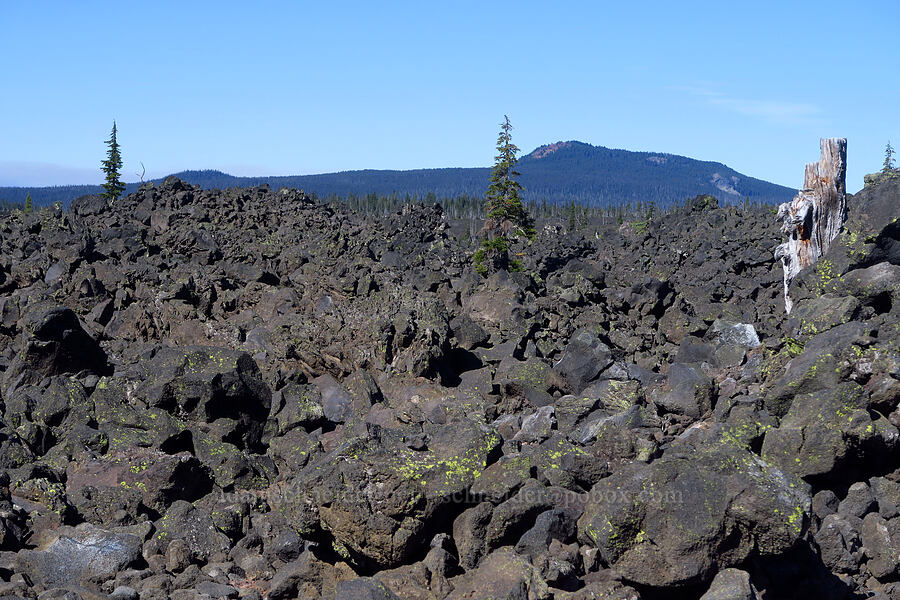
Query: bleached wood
pixel 816 214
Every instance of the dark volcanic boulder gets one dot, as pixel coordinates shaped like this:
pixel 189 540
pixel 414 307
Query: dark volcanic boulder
pixel 379 498
pixel 218 386
pixel 731 584
pixel 364 589
pixel 871 235
pixel 830 434
pixel 128 422
pixel 823 363
pixel 696 510
pixel 582 361
pixel 157 479
pixel 503 574
pixel 89 205
pixel 194 525
pixel 81 555
pixel 53 342
pixel 687 392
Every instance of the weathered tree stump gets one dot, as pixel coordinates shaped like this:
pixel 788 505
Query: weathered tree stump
pixel 816 214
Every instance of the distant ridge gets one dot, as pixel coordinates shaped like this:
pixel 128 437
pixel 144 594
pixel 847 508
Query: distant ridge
pixel 557 173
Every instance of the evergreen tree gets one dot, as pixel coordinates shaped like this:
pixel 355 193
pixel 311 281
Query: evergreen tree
pixel 888 158
pixel 504 202
pixel 506 215
pixel 29 204
pixel 112 167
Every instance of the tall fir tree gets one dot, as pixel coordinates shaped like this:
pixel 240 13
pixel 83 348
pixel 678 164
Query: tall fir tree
pixel 504 201
pixel 112 167
pixel 506 215
pixel 888 158
pixel 29 203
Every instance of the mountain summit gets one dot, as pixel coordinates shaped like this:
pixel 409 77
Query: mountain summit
pixel 563 171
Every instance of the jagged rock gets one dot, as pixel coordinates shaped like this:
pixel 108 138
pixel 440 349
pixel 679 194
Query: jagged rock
pixel 823 363
pixel 815 215
pixel 666 524
pixel 555 524
pixel 687 392
pixel 384 523
pixel 300 406
pixel 425 580
pixel 388 356
pixel 82 555
pixel 825 503
pixel 195 527
pixel 53 343
pixel 825 434
pixel 584 358
pixel 530 380
pixel 217 386
pixel 813 316
pixel 503 574
pixel 608 395
pixel 469 530
pixel 839 543
pixel 503 478
pixel 859 501
pixel 364 589
pixel 537 427
pixel 731 584
pixel 887 495
pixel 881 539
pixel 153 478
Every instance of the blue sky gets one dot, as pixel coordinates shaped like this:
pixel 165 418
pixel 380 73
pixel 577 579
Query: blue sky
pixel 295 87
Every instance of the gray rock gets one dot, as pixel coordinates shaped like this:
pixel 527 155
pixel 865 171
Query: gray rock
pixel 124 593
pixel 687 392
pixel 83 554
pixel 398 492
pixel 731 584
pixel 503 478
pixel 195 527
pixel 216 590
pixel 178 556
pixel 218 386
pixel 839 543
pixel 815 315
pixel 537 427
pixel 469 530
pixel 882 545
pixel 859 501
pixel 286 545
pixel 364 589
pixel 829 434
pixel 825 503
pixel 738 334
pixel 54 343
pixel 887 494
pixel 555 524
pixel 530 379
pixel 582 361
pixel 503 574
pixel 301 407
pixel 663 524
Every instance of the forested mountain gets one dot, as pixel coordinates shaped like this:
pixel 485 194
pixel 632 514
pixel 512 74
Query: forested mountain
pixel 559 173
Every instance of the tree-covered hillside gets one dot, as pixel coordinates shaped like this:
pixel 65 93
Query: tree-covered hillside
pixel 556 174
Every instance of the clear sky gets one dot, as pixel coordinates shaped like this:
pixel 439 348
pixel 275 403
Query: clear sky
pixel 284 87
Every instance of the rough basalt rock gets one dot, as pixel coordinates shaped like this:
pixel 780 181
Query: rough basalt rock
pixel 678 520
pixel 278 396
